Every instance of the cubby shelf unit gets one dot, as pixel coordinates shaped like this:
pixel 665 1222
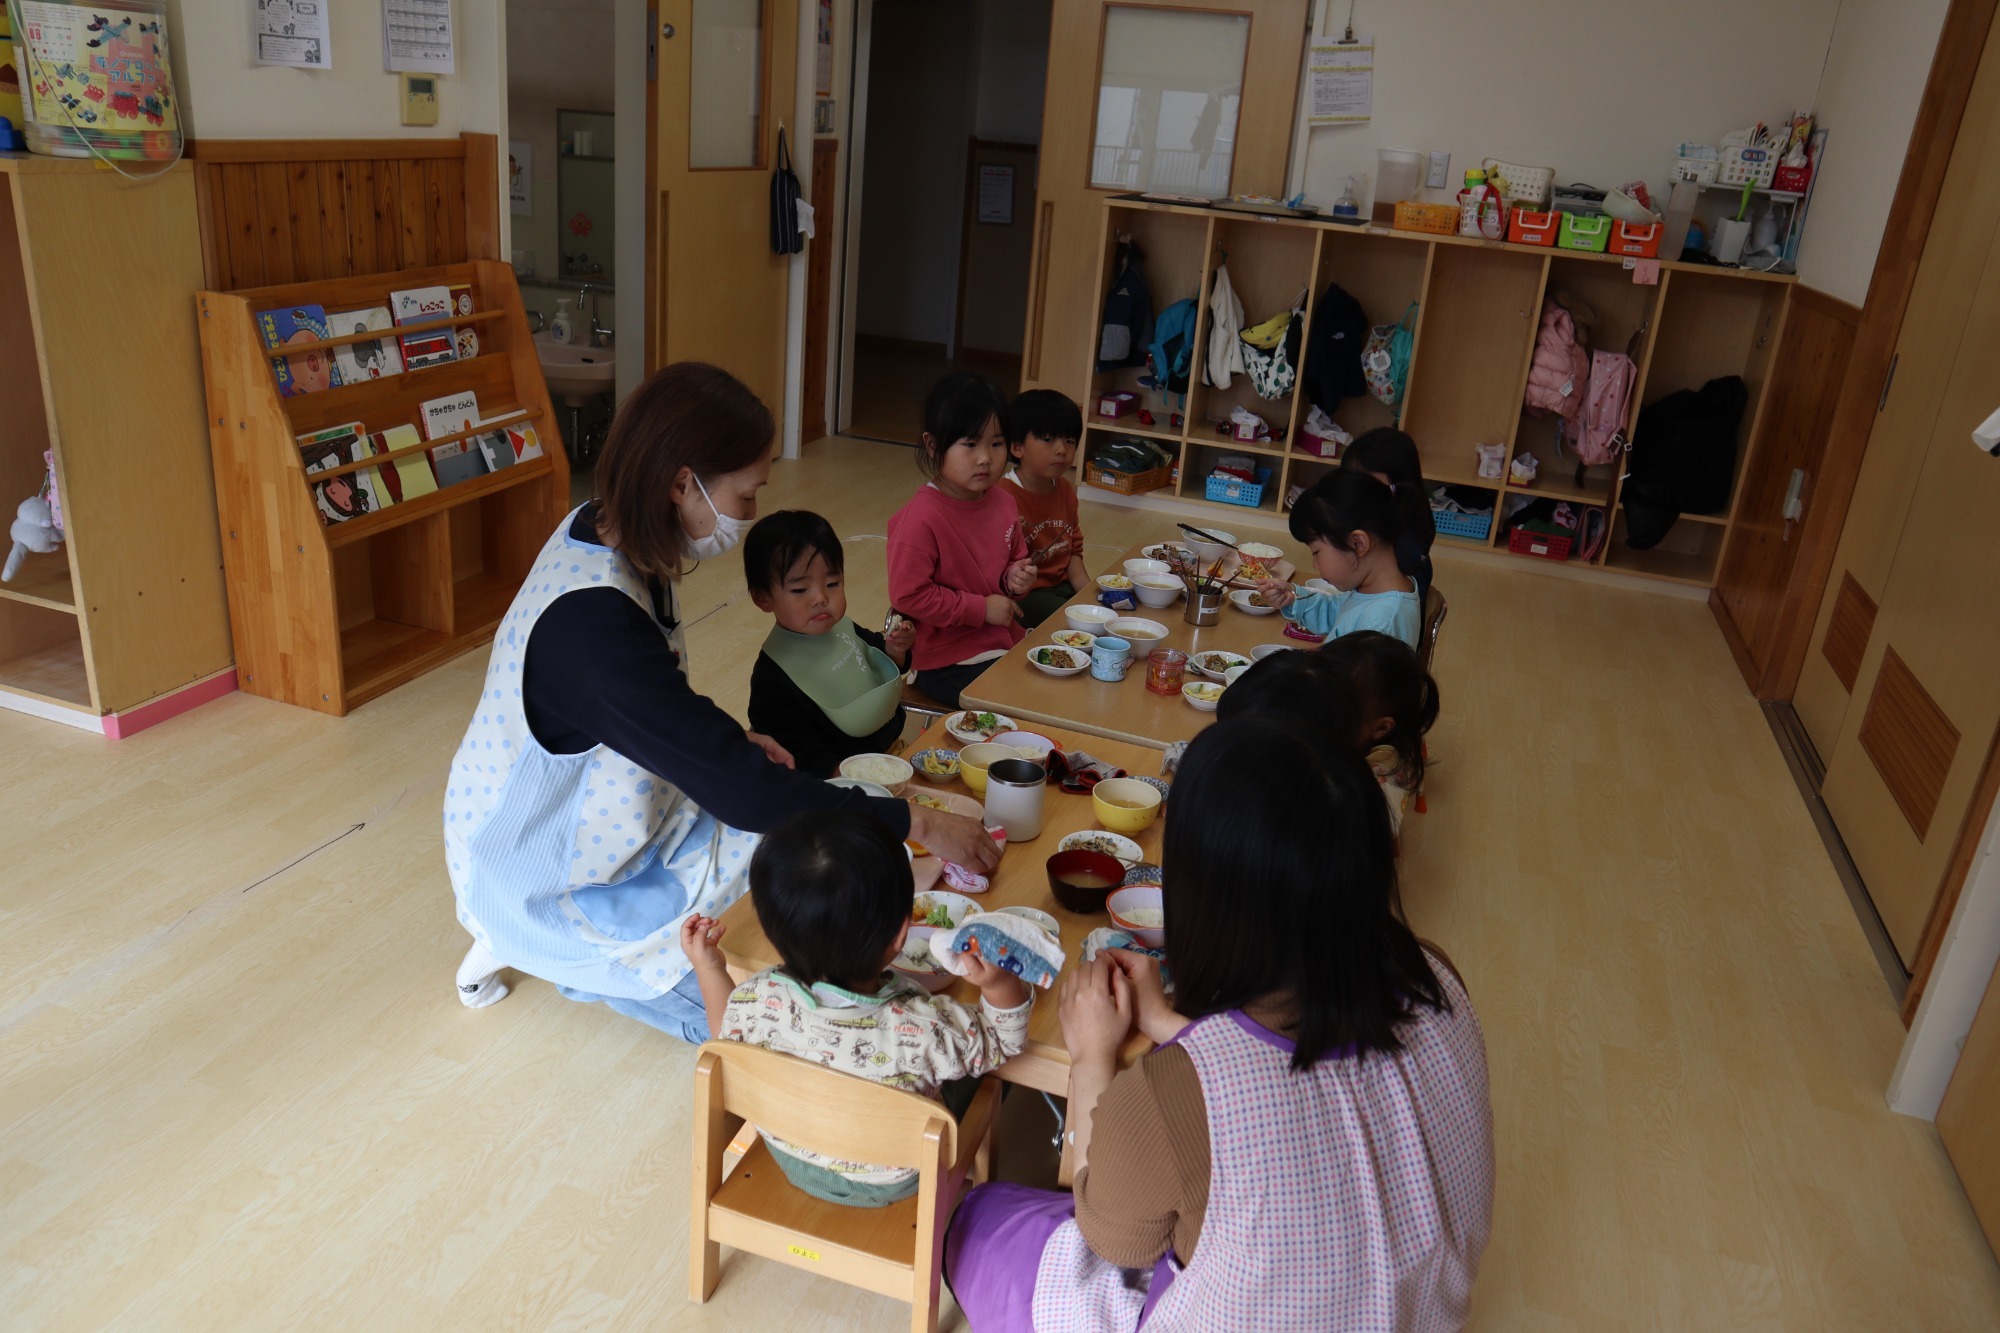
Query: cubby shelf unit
pixel 1477 309
pixel 329 617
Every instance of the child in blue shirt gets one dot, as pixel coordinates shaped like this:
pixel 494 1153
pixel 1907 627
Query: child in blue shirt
pixel 1350 522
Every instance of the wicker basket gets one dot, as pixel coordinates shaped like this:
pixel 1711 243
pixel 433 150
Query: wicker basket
pixel 1129 483
pixel 1525 185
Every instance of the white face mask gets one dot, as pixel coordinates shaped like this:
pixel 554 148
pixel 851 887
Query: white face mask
pixel 728 532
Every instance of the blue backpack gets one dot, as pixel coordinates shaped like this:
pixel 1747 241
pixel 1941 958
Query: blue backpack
pixel 1171 355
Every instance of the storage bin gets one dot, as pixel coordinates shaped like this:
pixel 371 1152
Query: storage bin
pixel 1525 185
pixel 1438 219
pixel 1528 227
pixel 1118 403
pixel 1453 523
pixel 1523 542
pixel 1628 238
pixel 1748 166
pixel 1792 180
pixel 1319 446
pixel 1236 491
pixel 1590 234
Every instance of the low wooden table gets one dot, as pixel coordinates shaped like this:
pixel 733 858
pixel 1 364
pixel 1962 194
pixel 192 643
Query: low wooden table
pixel 1122 710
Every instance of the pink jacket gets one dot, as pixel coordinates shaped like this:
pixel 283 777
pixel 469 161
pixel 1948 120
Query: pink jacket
pixel 1561 371
pixel 946 557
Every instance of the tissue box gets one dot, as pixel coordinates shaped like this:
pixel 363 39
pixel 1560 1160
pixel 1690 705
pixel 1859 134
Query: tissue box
pixel 1319 446
pixel 1122 402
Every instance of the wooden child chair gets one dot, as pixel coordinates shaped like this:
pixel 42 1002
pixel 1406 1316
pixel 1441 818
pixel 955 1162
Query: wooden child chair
pixel 896 1251
pixel 1435 609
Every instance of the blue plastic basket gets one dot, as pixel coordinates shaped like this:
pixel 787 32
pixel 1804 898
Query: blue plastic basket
pixel 1451 523
pixel 1235 491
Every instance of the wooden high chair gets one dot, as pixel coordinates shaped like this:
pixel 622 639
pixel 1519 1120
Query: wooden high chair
pixel 895 1251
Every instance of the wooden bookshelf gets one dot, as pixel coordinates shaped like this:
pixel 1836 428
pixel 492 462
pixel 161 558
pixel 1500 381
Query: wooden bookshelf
pixel 1478 304
pixel 328 617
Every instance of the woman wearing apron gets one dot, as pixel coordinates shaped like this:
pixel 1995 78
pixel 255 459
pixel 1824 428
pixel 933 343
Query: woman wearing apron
pixel 596 798
pixel 1311 1147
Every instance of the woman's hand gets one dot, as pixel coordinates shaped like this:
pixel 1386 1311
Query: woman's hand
pixel 1096 1011
pixel 777 753
pixel 1001 610
pixel 1276 593
pixel 1151 1012
pixel 959 839
pixel 1019 580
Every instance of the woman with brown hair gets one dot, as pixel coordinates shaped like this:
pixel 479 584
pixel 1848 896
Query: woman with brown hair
pixel 596 799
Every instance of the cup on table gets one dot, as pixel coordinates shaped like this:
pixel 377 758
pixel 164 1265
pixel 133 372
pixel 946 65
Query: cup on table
pixel 1014 791
pixel 1166 671
pixel 1110 658
pixel 1203 608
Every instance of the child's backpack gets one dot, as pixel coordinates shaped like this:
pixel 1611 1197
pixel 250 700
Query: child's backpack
pixel 1271 352
pixel 1600 426
pixel 1333 350
pixel 1385 361
pixel 1170 354
pixel 1560 370
pixel 1127 327
pixel 1683 458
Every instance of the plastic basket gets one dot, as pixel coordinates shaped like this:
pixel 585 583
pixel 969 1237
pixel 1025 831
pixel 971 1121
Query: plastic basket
pixel 1528 227
pixel 1440 219
pixel 1630 239
pixel 1452 523
pixel 1526 185
pixel 1748 166
pixel 1523 542
pixel 1591 234
pixel 1236 491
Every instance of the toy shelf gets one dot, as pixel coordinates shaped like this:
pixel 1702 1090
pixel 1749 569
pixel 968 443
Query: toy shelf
pixel 328 617
pixel 1478 307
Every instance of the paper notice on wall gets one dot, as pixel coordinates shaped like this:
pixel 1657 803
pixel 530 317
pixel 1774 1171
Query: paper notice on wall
pixel 996 193
pixel 292 32
pixel 1340 78
pixel 416 36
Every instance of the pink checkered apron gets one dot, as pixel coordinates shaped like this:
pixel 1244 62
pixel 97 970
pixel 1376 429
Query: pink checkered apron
pixel 1356 1196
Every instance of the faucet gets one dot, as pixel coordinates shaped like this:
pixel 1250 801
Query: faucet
pixel 585 306
pixel 540 320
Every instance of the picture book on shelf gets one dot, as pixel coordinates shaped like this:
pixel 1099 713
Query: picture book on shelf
pixel 465 338
pixel 406 478
pixel 351 494
pixel 496 448
pixel 510 445
pixel 362 361
pixel 417 305
pixel 301 372
pixel 458 460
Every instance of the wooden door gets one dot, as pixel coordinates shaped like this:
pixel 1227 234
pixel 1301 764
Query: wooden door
pixel 1903 697
pixel 724 76
pixel 1967 1120
pixel 1069 214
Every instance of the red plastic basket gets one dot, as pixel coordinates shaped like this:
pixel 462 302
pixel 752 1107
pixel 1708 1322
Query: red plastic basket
pixel 1523 542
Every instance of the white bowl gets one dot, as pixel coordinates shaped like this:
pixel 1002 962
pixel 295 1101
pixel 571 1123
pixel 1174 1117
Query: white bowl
pixel 1202 695
pixel 1158 591
pixel 1144 635
pixel 865 788
pixel 1034 914
pixel 1195 662
pixel 918 946
pixel 1115 582
pixel 1240 599
pixel 1134 568
pixel 957 904
pixel 1160 550
pixel 1323 587
pixel 1138 897
pixel 1081 640
pixel 1264 650
pixel 1098 840
pixel 1030 743
pixel 1235 673
pixel 1260 551
pixel 884 770
pixel 1209 552
pixel 1089 617
pixel 1068 661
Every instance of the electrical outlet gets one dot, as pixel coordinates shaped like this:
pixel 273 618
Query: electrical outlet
pixel 1440 171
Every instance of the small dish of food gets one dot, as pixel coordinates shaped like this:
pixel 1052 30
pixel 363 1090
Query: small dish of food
pixel 1034 914
pixel 1256 560
pixel 1080 880
pixel 1127 805
pixel 941 910
pixel 1074 638
pixel 1058 661
pixel 865 788
pixel 1250 602
pixel 936 763
pixel 1089 617
pixel 1202 695
pixel 1111 844
pixel 1216 663
pixel 884 770
pixel 1135 569
pixel 1028 744
pixel 950 802
pixel 1114 582
pixel 1158 591
pixel 1167 552
pixel 1137 910
pixel 972 727
pixel 916 963
pixel 1146 872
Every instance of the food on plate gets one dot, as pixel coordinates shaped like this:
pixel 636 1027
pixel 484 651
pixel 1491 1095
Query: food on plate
pixel 926 911
pixel 978 724
pixel 1056 657
pixel 1204 691
pixel 939 763
pixel 1168 553
pixel 1074 638
pixel 882 769
pixel 930 802
pixel 1116 582
pixel 1219 662
pixel 1097 842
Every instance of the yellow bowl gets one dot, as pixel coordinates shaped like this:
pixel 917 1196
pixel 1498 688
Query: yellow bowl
pixel 1125 805
pixel 974 760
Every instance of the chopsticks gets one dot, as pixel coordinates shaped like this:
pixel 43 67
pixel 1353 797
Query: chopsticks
pixel 1202 535
pixel 1188 571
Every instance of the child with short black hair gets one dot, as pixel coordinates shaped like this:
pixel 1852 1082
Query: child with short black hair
pixel 1350 523
pixel 823 687
pixel 833 894
pixel 1043 428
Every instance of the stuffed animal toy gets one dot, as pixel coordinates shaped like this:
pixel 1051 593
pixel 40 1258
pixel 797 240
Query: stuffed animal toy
pixel 34 530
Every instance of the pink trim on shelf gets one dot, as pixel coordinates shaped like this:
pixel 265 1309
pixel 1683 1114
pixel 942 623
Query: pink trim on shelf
pixel 118 726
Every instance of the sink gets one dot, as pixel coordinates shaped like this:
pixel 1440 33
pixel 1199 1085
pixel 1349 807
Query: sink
pixel 576 372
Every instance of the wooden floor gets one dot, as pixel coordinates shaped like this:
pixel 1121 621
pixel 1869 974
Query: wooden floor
pixel 237 1091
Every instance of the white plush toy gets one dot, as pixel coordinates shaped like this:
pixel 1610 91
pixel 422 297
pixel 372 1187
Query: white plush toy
pixel 34 530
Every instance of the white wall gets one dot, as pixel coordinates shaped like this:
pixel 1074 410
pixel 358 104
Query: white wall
pixel 629 306
pixel 1875 74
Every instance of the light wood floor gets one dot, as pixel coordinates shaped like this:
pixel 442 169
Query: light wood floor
pixel 237 1092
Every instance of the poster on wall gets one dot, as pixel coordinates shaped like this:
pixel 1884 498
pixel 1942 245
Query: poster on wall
pixel 1340 82
pixel 520 176
pixel 292 32
pixel 416 36
pixel 823 50
pixel 996 193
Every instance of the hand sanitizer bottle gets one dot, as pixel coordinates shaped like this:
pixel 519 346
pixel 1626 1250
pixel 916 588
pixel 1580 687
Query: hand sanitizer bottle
pixel 559 327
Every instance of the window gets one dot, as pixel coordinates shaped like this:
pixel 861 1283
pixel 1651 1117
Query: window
pixel 1168 90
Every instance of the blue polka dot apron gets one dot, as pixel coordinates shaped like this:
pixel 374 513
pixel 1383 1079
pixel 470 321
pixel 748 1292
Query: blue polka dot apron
pixel 577 868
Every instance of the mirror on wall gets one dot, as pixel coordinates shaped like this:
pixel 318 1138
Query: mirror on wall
pixel 586 227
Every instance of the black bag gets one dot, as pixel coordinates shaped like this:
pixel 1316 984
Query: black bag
pixel 1683 458
pixel 1126 331
pixel 1333 350
pixel 786 238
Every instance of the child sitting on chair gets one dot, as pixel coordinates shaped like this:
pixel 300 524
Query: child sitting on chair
pixel 1042 430
pixel 823 687
pixel 833 894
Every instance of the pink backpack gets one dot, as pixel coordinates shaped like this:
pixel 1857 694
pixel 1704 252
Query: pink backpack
pixel 1560 369
pixel 1600 430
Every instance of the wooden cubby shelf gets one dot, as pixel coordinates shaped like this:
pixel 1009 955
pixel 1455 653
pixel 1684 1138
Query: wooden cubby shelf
pixel 328 617
pixel 1478 306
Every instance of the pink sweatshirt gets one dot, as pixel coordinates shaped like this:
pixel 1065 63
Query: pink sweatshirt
pixel 946 557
